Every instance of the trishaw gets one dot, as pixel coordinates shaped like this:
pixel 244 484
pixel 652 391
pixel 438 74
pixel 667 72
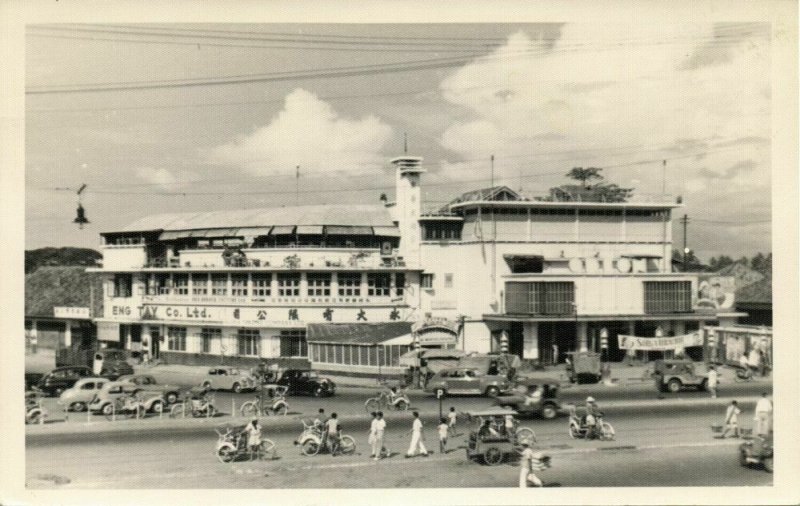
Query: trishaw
pixel 490 443
pixel 232 444
pixel 312 438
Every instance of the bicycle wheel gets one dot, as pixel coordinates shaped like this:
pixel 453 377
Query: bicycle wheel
pixel 310 447
pixel 249 409
pixel 226 453
pixel 347 445
pixel 372 405
pixel 177 410
pixel 266 449
pixel 523 435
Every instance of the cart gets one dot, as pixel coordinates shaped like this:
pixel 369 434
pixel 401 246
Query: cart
pixel 584 367
pixel 494 449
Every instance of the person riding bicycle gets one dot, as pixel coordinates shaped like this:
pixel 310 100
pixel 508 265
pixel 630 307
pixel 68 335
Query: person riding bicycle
pixel 199 398
pixel 590 420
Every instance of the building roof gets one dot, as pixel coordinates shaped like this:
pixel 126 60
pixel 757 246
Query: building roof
pixel 356 333
pixel 745 276
pixel 339 214
pixel 495 193
pixel 49 287
pixel 758 292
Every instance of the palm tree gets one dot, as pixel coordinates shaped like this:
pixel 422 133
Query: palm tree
pixel 584 175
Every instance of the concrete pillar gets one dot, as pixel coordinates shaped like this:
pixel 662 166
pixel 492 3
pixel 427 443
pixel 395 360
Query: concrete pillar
pixel 583 328
pixel 530 340
pixel 67 333
pixel 679 327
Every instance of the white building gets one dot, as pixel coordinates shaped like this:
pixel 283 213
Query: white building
pixel 352 279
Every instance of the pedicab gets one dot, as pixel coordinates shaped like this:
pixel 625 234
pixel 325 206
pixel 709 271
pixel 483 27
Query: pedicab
pixel 490 443
pixel 232 444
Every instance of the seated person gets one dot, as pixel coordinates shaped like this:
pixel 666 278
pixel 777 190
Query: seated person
pixel 533 396
pixel 486 430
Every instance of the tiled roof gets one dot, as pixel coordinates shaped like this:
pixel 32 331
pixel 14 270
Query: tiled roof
pixel 356 333
pixel 339 214
pixel 759 292
pixel 48 287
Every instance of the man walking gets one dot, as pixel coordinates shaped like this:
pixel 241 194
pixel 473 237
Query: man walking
pixel 528 462
pixel 416 438
pixel 373 427
pixel 732 420
pixel 763 415
pixel 713 379
pixel 332 430
pixel 380 429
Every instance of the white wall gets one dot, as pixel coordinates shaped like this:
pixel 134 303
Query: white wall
pixel 123 257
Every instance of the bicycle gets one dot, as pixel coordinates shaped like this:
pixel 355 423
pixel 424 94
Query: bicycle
pixel 384 402
pixel 276 405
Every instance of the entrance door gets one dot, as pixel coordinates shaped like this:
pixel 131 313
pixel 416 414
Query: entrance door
pixel 155 341
pixel 516 343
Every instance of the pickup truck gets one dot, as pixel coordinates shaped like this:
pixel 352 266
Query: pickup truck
pixel 146 383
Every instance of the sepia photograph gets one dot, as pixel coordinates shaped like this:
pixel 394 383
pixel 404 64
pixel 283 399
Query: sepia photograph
pixel 413 254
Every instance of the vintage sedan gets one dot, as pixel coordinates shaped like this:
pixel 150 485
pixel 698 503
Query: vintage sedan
pixel 147 383
pixel 62 378
pixel 469 381
pixel 79 396
pixel 229 378
pixel 306 382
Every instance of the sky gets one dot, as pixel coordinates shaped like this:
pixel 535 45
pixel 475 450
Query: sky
pixel 169 118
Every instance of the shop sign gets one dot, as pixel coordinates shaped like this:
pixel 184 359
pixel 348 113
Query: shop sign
pixel 71 312
pixel 659 343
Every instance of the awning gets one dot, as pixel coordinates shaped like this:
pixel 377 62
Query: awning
pixel 309 229
pixel 282 230
pixel 386 231
pixel 221 232
pixel 340 230
pixel 253 231
pixel 366 334
pixel 174 234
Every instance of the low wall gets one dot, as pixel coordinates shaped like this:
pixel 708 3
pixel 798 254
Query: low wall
pixel 207 359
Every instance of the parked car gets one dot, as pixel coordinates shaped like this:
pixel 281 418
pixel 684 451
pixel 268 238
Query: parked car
pixel 81 394
pixel 306 382
pixel 109 363
pixel 547 406
pixel 148 383
pixel 107 396
pixel 757 450
pixel 32 379
pixel 229 378
pixel 674 375
pixel 62 378
pixel 463 380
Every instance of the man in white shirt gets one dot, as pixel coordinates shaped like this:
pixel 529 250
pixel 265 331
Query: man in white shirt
pixel 763 415
pixel 416 438
pixel 332 430
pixel 528 462
pixel 380 428
pixel 732 419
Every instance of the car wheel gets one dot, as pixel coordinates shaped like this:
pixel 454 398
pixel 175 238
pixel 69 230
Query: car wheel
pixel 157 407
pixel 172 398
pixel 768 464
pixel 78 406
pixel 674 385
pixel 107 409
pixel 237 388
pixel 318 392
pixel 549 412
pixel 743 458
pixel 492 391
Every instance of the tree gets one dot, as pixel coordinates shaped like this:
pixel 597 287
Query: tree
pixel 719 263
pixel 757 262
pixel 584 175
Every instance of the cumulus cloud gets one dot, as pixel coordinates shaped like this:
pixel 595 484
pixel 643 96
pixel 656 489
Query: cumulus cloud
pixel 617 94
pixel 310 133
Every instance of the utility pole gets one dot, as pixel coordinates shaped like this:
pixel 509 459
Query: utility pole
pixel 664 179
pixel 405 143
pixel 685 222
pixel 297 186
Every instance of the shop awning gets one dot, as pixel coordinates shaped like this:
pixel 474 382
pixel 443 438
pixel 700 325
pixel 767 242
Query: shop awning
pixel 309 229
pixel 365 334
pixel 253 231
pixel 220 232
pixel 282 230
pixel 174 234
pixel 386 231
pixel 340 230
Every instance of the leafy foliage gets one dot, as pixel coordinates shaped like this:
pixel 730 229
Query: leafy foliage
pixel 60 257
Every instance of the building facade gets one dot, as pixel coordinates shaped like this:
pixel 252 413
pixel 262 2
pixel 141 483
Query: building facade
pixel 495 269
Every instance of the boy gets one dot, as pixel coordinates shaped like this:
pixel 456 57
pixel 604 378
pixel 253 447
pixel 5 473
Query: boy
pixel 443 428
pixel 732 419
pixel 452 417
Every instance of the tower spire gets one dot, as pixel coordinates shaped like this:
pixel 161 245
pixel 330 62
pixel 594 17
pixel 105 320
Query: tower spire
pixel 405 143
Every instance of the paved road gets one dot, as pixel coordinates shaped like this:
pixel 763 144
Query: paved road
pixel 652 449
pixel 350 401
